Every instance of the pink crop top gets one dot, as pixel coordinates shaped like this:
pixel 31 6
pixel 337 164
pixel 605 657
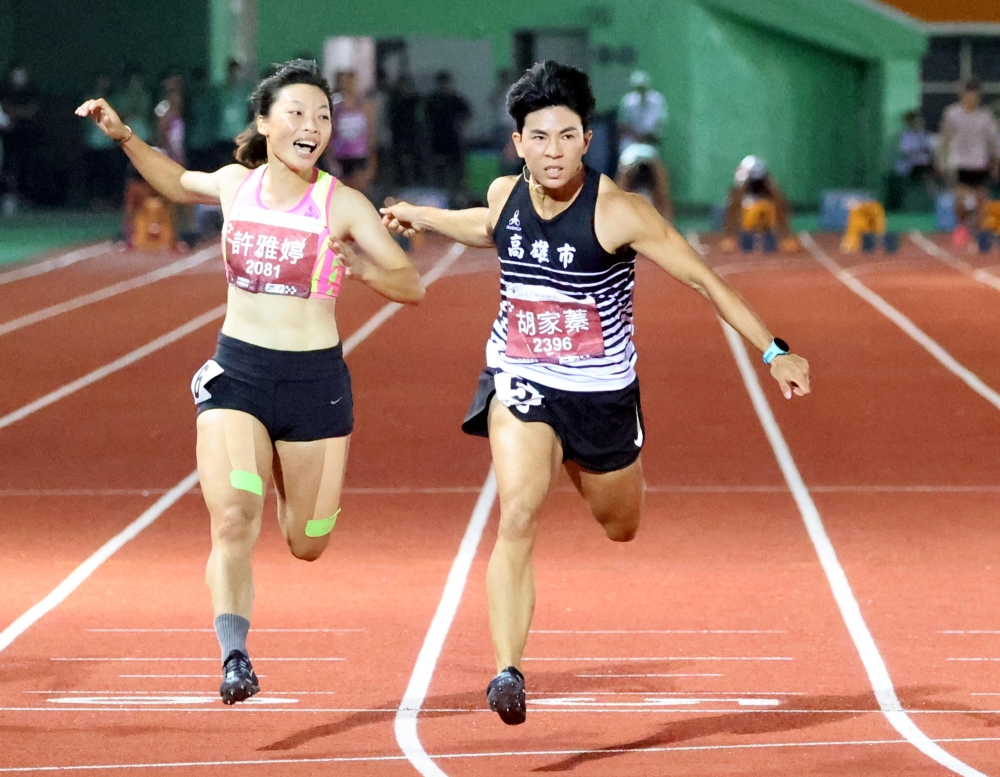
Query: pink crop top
pixel 282 252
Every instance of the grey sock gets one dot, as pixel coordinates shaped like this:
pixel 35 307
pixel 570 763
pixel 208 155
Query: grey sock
pixel 232 629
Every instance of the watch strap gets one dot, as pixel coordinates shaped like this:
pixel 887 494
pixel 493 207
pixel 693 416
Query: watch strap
pixel 778 347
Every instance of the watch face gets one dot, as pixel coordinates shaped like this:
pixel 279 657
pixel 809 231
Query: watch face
pixel 782 344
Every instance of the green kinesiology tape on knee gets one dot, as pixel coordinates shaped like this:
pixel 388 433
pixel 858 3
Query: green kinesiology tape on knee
pixel 242 480
pixel 321 527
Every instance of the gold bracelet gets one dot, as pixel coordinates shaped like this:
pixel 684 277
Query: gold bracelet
pixel 127 138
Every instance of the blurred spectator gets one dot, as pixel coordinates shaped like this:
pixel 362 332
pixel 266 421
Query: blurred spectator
pixel 447 115
pixel 202 121
pixel 641 113
pixel 234 112
pixel 641 116
pixel 20 101
pixel 4 126
pixel 104 183
pixel 135 105
pixel 969 145
pixel 170 118
pixel 405 131
pixel 504 125
pixel 914 163
pixel 352 145
pixel 756 204
pixel 378 98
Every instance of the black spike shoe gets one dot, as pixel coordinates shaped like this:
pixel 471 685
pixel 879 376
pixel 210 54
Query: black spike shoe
pixel 505 694
pixel 239 682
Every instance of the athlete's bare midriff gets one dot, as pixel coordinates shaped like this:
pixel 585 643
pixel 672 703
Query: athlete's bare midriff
pixel 281 323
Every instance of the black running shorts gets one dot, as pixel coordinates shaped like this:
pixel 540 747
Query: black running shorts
pixel 602 431
pixel 297 395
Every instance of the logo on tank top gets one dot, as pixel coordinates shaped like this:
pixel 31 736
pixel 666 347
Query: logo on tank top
pixel 514 225
pixel 566 253
pixel 312 212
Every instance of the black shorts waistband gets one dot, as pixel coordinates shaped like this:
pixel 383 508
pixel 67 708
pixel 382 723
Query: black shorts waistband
pixel 239 356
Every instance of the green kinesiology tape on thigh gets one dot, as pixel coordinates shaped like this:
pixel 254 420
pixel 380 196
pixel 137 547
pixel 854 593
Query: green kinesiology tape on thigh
pixel 321 527
pixel 242 480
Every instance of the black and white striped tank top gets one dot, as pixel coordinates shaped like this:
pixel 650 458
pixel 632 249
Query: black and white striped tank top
pixel 565 317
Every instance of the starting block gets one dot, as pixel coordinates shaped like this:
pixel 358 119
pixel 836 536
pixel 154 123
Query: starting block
pixel 872 241
pixel 767 242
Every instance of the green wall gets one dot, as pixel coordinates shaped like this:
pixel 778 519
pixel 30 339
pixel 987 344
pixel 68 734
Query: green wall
pixel 817 88
pixel 66 43
pixel 759 92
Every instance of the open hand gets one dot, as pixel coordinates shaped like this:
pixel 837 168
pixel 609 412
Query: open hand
pixel 105 117
pixel 356 267
pixel 792 373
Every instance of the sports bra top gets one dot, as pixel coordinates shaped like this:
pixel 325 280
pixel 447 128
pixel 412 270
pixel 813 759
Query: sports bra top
pixel 282 252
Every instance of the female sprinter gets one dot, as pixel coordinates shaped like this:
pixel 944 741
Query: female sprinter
pixel 275 400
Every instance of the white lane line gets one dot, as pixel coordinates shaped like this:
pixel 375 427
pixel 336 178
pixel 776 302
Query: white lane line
pixel 983 276
pixel 88 567
pixel 969 632
pixel 114 290
pixel 440 268
pixel 878 673
pixel 987 658
pixel 64 492
pixel 55 263
pixel 152 694
pixel 582 701
pixel 658 674
pixel 108 369
pixel 174 676
pixel 86 706
pixel 711 695
pixel 676 489
pixel 82 572
pixel 212 631
pixel 213 660
pixel 663 658
pixel 943 357
pixel 405 724
pixel 657 631
pixel 376 759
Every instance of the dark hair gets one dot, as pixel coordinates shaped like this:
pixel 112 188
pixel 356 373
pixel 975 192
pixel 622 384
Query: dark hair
pixel 251 146
pixel 972 85
pixel 548 84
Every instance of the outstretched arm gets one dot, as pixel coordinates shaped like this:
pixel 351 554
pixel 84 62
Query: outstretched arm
pixel 166 176
pixel 661 243
pixel 470 226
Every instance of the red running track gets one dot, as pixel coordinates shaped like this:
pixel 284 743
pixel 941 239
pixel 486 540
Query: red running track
pixel 710 645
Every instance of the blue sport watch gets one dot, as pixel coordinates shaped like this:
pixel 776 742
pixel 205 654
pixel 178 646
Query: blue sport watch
pixel 778 347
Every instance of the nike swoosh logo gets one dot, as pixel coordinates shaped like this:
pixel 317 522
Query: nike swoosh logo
pixel 638 424
pixel 335 401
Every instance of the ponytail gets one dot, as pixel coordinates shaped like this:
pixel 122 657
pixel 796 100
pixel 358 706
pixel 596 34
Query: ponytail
pixel 251 147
